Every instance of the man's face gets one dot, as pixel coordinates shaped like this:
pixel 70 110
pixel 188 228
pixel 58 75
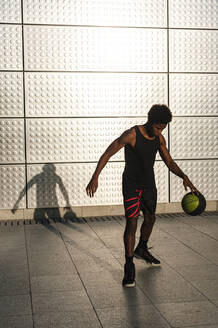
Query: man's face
pixel 157 128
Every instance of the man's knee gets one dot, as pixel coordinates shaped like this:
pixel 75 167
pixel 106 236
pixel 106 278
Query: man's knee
pixel 149 219
pixel 131 225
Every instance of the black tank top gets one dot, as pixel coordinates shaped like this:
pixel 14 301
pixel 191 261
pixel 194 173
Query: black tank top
pixel 139 162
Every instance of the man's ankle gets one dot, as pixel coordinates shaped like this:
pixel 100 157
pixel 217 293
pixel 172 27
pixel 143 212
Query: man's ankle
pixel 129 259
pixel 142 243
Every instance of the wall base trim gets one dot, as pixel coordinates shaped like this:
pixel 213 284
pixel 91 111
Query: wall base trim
pixel 88 211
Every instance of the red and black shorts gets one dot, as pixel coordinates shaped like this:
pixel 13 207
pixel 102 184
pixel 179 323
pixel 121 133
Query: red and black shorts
pixel 139 199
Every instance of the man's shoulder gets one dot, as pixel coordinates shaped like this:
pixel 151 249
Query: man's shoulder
pixel 162 140
pixel 129 136
pixel 131 130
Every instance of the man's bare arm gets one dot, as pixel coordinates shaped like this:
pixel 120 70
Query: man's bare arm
pixel 126 138
pixel 173 167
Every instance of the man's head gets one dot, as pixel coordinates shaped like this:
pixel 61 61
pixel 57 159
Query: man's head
pixel 158 118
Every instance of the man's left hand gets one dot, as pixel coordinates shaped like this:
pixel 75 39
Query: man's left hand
pixel 188 183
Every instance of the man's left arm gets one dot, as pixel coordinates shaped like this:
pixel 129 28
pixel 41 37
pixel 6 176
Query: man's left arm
pixel 173 167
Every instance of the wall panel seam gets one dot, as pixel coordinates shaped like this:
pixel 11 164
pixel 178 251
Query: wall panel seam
pixel 114 26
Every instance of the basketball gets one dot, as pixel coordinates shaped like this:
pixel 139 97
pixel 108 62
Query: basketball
pixel 193 204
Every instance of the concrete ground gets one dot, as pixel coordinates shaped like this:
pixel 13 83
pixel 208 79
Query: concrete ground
pixel 68 274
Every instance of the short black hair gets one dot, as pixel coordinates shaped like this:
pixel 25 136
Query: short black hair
pixel 159 114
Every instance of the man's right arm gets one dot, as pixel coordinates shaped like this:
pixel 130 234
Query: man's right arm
pixel 126 138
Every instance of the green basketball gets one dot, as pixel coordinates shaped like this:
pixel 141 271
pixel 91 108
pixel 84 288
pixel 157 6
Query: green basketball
pixel 193 204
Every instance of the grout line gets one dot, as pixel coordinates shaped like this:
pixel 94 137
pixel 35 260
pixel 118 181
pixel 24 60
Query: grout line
pixel 24 108
pixel 110 72
pixel 28 265
pixel 168 92
pixel 97 117
pixel 114 26
pixel 25 146
pixel 94 162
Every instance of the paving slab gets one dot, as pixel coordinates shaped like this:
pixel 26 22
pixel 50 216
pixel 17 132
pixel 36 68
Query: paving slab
pixel 81 245
pixel 60 301
pixel 197 273
pixel 116 297
pixel 11 241
pixel 46 246
pixel 15 305
pixel 16 286
pixel 113 242
pixel 16 321
pixel 177 255
pixel 190 313
pixel 109 278
pixel 164 291
pixel 81 318
pixel 56 283
pixel 51 267
pixel 207 287
pixel 96 264
pixel 76 231
pixel 13 266
pixel 207 249
pixel 56 255
pixel 145 316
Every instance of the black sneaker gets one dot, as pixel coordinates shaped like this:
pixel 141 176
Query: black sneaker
pixel 129 275
pixel 144 254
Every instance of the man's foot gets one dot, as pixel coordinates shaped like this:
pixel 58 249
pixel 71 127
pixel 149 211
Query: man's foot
pixel 129 275
pixel 144 254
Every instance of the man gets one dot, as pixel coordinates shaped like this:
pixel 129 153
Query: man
pixel 139 190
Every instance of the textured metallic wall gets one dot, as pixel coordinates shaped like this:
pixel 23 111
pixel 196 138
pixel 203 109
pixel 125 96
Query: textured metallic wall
pixel 75 74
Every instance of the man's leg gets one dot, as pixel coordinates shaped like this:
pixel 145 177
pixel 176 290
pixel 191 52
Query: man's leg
pixel 147 226
pixel 129 244
pixel 131 197
pixel 149 201
pixel 129 236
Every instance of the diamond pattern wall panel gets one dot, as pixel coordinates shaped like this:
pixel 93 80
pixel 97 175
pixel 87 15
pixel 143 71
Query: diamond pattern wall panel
pixel 53 185
pixel 95 49
pixel 202 173
pixel 98 12
pixel 12 181
pixel 11 94
pixel 11 47
pixel 193 51
pixel 165 135
pixel 193 13
pixel 194 94
pixel 73 139
pixel 88 94
pixel 194 138
pixel 10 11
pixel 12 141
pixel 161 177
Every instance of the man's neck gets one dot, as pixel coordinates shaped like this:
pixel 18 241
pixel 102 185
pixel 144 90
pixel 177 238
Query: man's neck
pixel 148 130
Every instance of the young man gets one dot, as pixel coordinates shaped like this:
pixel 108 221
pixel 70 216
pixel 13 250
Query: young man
pixel 139 189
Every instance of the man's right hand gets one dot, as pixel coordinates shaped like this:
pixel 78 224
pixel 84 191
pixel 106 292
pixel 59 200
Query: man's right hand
pixel 92 187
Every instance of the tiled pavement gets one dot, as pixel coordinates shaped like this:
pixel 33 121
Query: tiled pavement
pixel 68 274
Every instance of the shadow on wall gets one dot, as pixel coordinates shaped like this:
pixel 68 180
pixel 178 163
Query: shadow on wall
pixel 46 183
